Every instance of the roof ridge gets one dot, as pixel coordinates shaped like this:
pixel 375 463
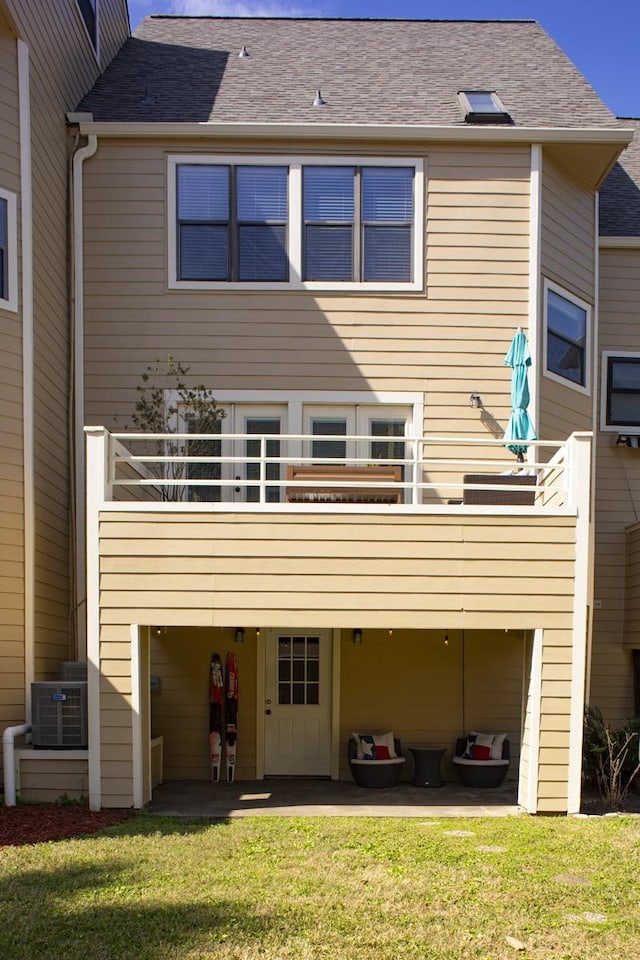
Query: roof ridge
pixel 175 16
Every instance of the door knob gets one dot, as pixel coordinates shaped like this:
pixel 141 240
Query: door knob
pixel 268 712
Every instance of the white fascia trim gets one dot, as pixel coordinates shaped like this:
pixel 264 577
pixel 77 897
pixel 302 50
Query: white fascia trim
pixel 82 154
pixel 26 216
pixel 535 258
pixel 364 131
pixel 619 243
pixel 294 240
pixel 136 716
pixel 529 800
pixel 589 346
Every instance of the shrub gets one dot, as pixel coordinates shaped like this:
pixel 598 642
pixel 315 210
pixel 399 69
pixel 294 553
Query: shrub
pixel 611 757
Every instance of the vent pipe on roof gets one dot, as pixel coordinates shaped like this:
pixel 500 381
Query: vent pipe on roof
pixel 244 53
pixel 319 100
pixel 149 99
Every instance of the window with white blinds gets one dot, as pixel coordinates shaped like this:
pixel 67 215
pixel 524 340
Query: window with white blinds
pixel 313 223
pixel 232 222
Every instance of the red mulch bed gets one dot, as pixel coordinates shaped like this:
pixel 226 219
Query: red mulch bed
pixel 38 822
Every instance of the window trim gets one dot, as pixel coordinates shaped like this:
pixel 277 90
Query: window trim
pixel 585 388
pixel 605 426
pixel 11 302
pixel 295 224
pixel 95 47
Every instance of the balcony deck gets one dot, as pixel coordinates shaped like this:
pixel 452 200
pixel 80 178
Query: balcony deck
pixel 276 473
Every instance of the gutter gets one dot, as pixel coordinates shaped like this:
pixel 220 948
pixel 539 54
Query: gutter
pixel 358 131
pixel 79 157
pixel 619 243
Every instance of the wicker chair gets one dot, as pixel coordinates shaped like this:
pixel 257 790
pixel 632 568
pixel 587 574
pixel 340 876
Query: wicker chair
pixel 481 774
pixel 375 773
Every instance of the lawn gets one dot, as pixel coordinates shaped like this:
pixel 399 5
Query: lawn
pixel 327 889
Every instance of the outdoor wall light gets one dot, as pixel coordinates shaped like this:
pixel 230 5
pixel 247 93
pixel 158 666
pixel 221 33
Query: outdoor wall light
pixel 357 636
pixel 475 400
pixel 239 637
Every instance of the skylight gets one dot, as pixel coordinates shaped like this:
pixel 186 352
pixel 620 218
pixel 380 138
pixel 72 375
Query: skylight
pixel 482 106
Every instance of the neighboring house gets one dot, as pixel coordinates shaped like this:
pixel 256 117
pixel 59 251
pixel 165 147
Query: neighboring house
pixel 50 54
pixel 339 226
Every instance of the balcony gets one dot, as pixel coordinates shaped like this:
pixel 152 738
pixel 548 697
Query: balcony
pixel 287 472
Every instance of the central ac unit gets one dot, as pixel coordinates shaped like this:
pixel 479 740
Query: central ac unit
pixel 59 715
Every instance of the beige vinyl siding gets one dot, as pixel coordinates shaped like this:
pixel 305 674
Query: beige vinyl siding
pixel 632 604
pixel 47 780
pixel 617 499
pixel 567 259
pixel 62 68
pixel 12 692
pixel 476 295
pixel 113 28
pixel 218 570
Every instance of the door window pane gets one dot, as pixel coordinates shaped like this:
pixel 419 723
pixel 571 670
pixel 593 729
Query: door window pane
pixel 299 670
pixel 203 471
pixel 329 449
pixel 262 425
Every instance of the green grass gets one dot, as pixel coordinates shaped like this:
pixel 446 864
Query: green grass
pixel 326 889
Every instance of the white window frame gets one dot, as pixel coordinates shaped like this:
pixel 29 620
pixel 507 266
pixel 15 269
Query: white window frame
pixel 294 231
pixel 11 301
pixel 94 46
pixel 604 392
pixel 585 389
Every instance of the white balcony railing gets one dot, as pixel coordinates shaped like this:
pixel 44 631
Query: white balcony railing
pixel 287 471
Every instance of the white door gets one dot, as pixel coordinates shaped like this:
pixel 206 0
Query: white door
pixel 298 703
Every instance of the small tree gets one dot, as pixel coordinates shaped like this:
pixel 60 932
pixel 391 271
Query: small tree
pixel 611 757
pixel 166 404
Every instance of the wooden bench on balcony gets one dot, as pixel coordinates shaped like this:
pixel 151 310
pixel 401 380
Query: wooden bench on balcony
pixel 323 475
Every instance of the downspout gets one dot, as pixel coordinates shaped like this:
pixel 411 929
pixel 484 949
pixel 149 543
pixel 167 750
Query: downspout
pixel 26 219
pixel 9 761
pixel 79 157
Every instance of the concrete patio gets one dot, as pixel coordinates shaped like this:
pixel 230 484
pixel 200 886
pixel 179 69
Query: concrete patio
pixel 281 797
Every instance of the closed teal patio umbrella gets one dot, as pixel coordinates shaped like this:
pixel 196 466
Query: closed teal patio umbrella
pixel 519 428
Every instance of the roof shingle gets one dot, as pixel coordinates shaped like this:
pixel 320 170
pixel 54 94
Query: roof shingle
pixel 620 193
pixel 369 71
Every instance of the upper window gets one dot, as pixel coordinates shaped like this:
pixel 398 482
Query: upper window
pixel 8 251
pixel 232 223
pixel 325 224
pixel 567 320
pixel 482 106
pixel 358 223
pixel 621 374
pixel 89 11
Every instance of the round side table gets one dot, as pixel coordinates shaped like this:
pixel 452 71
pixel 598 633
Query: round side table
pixel 427 766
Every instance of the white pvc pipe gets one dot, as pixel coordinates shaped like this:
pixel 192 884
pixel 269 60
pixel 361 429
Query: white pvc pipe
pixel 8 749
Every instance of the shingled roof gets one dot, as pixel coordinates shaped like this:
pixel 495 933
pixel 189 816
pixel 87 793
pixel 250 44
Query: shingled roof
pixel 187 69
pixel 620 193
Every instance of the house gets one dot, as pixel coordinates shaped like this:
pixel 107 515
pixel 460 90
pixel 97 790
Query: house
pixel 50 55
pixel 339 226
